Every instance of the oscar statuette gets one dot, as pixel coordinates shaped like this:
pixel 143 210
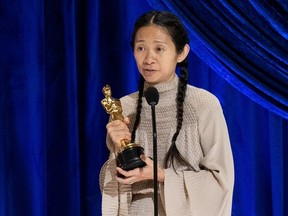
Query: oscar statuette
pixel 128 156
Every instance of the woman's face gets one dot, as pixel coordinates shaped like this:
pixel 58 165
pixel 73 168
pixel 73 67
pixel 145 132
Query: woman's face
pixel 155 54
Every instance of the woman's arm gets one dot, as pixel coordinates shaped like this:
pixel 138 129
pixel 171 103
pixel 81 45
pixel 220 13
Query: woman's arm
pixel 209 191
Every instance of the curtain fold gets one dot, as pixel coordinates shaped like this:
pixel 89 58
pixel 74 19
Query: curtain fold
pixel 248 39
pixel 62 109
pixel 245 42
pixel 55 58
pixel 22 123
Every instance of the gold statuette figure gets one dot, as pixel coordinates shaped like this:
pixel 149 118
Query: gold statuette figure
pixel 129 155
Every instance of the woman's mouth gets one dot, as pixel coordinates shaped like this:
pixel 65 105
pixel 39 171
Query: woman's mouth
pixel 149 71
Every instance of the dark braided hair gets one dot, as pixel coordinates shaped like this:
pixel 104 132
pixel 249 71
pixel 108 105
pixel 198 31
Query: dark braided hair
pixel 139 107
pixel 173 153
pixel 179 36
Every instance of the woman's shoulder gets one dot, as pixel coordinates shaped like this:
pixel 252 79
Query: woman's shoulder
pixel 201 98
pixel 129 101
pixel 132 97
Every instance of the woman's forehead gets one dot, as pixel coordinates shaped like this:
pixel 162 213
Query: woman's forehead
pixel 155 32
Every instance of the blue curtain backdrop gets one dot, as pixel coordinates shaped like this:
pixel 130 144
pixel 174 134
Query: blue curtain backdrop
pixel 56 56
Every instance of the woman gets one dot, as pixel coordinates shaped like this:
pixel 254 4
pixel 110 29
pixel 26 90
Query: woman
pixel 195 164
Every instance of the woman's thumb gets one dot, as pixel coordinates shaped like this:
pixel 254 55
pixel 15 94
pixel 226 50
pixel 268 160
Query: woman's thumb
pixel 126 120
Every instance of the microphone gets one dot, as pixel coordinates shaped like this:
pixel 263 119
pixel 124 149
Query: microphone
pixel 152 98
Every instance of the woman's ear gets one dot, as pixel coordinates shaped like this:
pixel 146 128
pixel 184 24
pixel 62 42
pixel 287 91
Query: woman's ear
pixel 184 53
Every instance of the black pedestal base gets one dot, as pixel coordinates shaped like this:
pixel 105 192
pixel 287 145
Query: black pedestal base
pixel 129 158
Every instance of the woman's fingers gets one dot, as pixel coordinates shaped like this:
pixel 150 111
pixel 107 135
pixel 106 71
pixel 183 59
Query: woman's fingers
pixel 126 120
pixel 147 160
pixel 137 174
pixel 128 177
pixel 134 172
pixel 117 131
pixel 140 174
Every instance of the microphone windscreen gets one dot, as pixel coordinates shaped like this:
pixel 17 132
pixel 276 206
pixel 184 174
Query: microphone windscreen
pixel 152 96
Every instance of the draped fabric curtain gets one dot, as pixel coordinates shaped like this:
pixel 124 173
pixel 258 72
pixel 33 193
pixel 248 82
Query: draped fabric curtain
pixel 246 44
pixel 56 56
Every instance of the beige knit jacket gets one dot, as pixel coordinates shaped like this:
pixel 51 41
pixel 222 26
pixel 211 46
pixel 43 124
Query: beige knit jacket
pixel 203 141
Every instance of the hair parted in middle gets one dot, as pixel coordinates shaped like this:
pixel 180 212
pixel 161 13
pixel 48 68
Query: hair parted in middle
pixel 179 36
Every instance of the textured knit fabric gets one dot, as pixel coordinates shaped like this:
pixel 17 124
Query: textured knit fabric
pixel 203 141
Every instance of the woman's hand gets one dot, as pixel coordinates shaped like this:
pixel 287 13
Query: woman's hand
pixel 117 131
pixel 140 174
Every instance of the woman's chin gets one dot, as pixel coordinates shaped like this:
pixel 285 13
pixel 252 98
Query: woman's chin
pixel 149 79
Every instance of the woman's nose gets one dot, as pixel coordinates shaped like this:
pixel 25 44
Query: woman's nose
pixel 149 58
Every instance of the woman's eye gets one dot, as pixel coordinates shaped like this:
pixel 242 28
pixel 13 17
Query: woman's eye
pixel 159 49
pixel 140 48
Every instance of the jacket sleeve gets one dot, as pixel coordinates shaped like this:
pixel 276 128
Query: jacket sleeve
pixel 208 191
pixel 116 198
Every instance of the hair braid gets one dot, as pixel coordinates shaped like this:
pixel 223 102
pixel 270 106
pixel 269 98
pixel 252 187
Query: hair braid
pixel 173 153
pixel 139 107
pixel 179 36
